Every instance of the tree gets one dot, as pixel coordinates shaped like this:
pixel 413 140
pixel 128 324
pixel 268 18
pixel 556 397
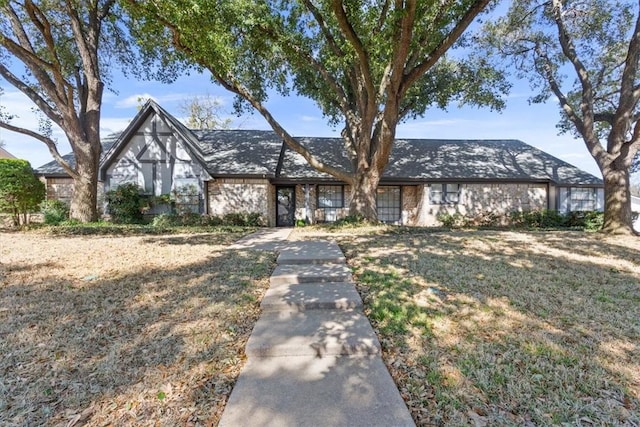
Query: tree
pixel 204 112
pixel 64 46
pixel 367 64
pixel 598 42
pixel 21 192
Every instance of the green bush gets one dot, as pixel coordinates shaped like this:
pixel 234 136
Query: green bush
pixel 593 221
pixel 243 219
pixel 125 204
pixel 21 192
pixel 55 212
pixel 190 219
pixel 448 220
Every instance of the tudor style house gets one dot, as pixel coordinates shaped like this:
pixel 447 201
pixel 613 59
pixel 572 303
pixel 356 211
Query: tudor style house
pixel 231 171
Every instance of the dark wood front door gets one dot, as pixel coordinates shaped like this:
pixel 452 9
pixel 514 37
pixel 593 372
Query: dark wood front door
pixel 285 206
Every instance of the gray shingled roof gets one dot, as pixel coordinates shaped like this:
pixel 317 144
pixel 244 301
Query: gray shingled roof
pixel 448 160
pixel 54 169
pixel 240 152
pixel 251 153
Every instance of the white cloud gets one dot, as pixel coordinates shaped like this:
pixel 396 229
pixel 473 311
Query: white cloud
pixel 138 99
pixel 110 125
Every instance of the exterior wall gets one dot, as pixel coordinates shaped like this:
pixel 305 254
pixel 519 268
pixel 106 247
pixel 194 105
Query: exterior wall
pixel 59 189
pixel 307 209
pixel 478 198
pixel 158 162
pixel 242 195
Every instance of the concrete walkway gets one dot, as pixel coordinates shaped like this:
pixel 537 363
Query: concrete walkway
pixel 313 358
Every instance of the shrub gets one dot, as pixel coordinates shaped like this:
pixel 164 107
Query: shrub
pixel 55 212
pixel 243 219
pixel 593 221
pixel 21 192
pixel 125 204
pixel 448 220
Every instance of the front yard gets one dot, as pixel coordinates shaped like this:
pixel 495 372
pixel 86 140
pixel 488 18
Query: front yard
pixel 128 330
pixel 504 328
pixel 478 327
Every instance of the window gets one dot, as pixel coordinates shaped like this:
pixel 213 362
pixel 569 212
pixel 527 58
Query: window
pixel 578 199
pixel 388 204
pixel 330 199
pixel 445 194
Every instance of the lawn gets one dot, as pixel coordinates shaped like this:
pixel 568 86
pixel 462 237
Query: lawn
pixel 123 330
pixel 504 328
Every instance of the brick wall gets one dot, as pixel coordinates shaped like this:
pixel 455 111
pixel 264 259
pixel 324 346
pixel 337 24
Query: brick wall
pixel 241 195
pixel 59 189
pixel 477 198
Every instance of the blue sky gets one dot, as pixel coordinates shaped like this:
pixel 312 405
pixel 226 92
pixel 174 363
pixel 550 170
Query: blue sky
pixel 533 124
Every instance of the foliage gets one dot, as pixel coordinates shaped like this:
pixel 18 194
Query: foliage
pixel 125 204
pixel 204 112
pixel 21 191
pixel 59 54
pixel 244 219
pixel 598 43
pixel 538 219
pixel 451 220
pixel 532 219
pixel 55 212
pixel 251 219
pixel 367 65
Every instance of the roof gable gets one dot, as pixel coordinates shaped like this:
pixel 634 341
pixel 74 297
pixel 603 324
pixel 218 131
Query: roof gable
pixel 156 149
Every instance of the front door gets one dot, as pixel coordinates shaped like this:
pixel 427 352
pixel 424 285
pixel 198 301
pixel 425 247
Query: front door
pixel 285 206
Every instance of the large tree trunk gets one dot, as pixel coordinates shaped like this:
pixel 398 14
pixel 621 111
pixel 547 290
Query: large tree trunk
pixel 363 195
pixel 85 185
pixel 617 201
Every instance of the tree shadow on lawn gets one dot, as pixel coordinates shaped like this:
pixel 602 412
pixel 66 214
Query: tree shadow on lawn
pixel 506 328
pixel 146 347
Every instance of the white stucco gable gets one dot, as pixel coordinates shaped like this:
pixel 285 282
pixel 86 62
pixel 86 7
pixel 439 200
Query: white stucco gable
pixel 154 155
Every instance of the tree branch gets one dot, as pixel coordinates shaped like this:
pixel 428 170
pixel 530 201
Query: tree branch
pixel 453 35
pixel 231 85
pixel 40 102
pixel 569 51
pixel 323 27
pixel 51 145
pixel 364 65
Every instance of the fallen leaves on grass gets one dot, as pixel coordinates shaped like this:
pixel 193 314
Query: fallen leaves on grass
pixel 123 330
pixel 503 328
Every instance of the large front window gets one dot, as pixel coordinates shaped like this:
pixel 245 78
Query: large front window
pixel 330 199
pixel 389 204
pixel 578 199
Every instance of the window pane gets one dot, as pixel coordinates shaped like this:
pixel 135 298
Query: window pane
pixel 388 203
pixel 436 194
pixel 583 199
pixel 330 196
pixel 445 193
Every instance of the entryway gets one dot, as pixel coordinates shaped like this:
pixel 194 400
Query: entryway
pixel 285 206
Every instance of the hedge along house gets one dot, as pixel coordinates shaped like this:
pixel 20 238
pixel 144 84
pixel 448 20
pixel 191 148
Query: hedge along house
pixel 217 172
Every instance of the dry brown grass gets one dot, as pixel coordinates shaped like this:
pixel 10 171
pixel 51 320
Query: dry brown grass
pixel 139 330
pixel 504 328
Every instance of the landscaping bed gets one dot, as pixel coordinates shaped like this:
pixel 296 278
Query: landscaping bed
pixel 130 329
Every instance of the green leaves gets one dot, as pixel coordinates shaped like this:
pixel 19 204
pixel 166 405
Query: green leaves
pixel 20 190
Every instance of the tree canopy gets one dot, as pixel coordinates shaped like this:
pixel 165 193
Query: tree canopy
pixel 585 54
pixel 367 64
